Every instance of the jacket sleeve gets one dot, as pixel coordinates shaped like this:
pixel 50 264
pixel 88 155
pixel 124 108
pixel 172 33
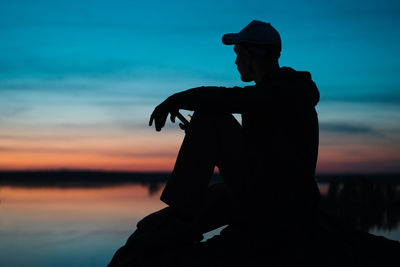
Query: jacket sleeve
pixel 293 94
pixel 230 99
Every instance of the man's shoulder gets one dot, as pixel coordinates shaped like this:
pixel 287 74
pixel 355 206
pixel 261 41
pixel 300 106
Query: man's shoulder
pixel 288 73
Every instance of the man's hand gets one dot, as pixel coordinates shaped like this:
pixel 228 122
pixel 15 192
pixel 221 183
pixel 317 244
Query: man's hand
pixel 160 113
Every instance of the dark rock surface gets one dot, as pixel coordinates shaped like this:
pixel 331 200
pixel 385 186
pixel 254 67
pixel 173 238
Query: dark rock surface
pixel 331 243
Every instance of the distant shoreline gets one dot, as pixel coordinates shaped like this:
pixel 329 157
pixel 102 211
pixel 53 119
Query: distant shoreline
pixel 89 178
pixel 81 178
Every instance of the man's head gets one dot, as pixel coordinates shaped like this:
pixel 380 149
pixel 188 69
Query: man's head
pixel 254 62
pixel 258 47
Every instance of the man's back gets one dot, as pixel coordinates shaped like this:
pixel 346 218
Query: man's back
pixel 282 137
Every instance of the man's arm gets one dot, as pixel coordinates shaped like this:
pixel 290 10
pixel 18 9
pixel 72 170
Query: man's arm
pixel 233 100
pixel 228 99
pixel 237 99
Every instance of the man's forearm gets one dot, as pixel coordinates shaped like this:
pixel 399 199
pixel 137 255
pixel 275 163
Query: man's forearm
pixel 233 100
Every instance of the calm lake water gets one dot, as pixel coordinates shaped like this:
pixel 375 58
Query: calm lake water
pixel 84 226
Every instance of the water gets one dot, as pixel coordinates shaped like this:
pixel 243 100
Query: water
pixel 71 226
pixel 81 226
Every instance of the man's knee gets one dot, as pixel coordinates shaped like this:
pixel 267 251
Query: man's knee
pixel 165 227
pixel 214 119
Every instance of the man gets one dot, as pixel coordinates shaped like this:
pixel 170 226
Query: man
pixel 269 194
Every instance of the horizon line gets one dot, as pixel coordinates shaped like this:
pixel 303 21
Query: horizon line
pixel 344 173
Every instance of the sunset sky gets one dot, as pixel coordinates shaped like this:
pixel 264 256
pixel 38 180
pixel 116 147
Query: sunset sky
pixel 79 79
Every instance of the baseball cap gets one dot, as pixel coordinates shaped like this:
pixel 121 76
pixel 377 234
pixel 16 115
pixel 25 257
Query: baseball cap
pixel 256 32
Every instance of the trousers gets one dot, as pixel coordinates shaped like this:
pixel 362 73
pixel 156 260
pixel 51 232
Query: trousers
pixel 211 140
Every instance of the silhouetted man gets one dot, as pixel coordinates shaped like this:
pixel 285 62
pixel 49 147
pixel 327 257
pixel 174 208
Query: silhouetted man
pixel 269 194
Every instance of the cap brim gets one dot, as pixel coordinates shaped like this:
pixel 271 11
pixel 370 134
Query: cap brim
pixel 230 38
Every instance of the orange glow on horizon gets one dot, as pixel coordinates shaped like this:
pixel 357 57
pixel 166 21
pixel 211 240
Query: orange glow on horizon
pixel 150 151
pixel 147 151
pixel 25 161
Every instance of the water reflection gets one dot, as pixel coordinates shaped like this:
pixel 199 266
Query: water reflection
pixel 66 224
pixel 70 226
pixel 363 204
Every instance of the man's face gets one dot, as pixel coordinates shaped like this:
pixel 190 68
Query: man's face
pixel 243 63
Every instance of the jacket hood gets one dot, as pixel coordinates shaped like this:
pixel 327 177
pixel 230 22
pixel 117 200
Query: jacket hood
pixel 297 85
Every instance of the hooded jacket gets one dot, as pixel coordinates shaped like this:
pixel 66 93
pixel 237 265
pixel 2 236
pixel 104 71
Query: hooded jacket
pixel 280 126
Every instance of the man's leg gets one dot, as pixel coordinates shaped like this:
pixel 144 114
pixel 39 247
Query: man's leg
pixel 212 139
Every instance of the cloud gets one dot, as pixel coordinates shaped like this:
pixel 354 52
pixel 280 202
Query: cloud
pixel 347 128
pixel 7 113
pixel 385 95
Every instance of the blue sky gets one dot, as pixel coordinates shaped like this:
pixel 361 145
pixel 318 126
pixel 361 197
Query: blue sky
pixel 84 70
